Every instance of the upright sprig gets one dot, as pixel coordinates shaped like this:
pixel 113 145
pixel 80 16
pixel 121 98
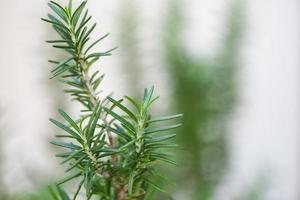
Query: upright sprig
pixel 113 149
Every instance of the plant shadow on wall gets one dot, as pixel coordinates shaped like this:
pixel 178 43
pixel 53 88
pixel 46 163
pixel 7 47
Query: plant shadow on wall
pixel 202 89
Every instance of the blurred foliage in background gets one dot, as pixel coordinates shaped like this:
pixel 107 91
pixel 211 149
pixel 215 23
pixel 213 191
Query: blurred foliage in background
pixel 3 189
pixel 204 90
pixel 39 194
pixel 130 50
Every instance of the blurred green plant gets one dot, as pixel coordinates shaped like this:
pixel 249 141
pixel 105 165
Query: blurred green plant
pixel 114 155
pixel 129 45
pixel 205 91
pixel 3 188
pixel 257 189
pixel 39 194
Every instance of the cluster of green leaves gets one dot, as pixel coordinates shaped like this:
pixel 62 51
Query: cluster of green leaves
pixel 112 148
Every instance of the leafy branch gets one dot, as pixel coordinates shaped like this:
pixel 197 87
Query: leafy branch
pixel 112 148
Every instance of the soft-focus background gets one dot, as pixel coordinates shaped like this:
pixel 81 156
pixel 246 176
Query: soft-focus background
pixel 231 66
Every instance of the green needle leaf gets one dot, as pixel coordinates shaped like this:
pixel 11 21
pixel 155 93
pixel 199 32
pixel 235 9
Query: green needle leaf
pixel 70 6
pixel 67 129
pixel 130 182
pixel 127 111
pixel 77 13
pixel 154 185
pixel 68 178
pixel 118 117
pixel 71 156
pixel 163 157
pixel 63 195
pixel 82 24
pixel 62 63
pixel 58 11
pixel 159 119
pixel 166 128
pixel 119 133
pixel 127 145
pixel 69 119
pixel 93 44
pixel 148 96
pixel 78 189
pixel 93 121
pixel 160 146
pixel 54 23
pixel 60 8
pixel 76 163
pixel 88 32
pixel 66 145
pixel 53 192
pixel 133 102
pixel 161 139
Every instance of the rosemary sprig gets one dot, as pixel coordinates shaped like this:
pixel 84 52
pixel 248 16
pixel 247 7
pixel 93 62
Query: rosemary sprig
pixel 112 149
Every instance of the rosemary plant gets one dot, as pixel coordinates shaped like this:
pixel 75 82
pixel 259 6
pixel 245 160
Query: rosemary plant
pixel 111 148
pixel 210 85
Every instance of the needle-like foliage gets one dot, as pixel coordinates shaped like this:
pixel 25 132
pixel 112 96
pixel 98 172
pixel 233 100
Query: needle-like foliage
pixel 112 149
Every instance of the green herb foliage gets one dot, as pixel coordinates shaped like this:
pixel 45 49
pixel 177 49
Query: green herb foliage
pixel 205 90
pixel 111 149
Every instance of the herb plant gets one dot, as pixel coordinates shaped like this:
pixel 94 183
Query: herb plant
pixel 205 90
pixel 112 150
